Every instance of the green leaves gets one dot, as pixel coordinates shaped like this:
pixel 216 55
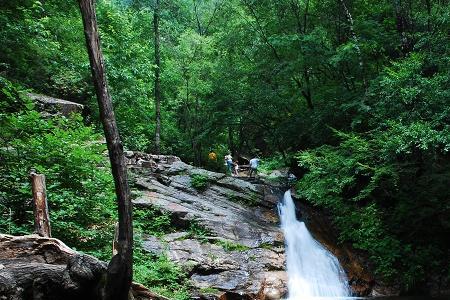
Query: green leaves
pixel 417 136
pixel 162 275
pixel 156 271
pixel 239 75
pixel 199 182
pixel 376 184
pixel 79 184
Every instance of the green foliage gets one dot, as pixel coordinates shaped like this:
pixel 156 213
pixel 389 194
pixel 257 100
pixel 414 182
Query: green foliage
pixel 376 186
pixel 252 201
pixel 239 75
pixel 199 182
pixel 198 231
pixel 162 275
pixel 231 246
pixel 152 221
pixel 156 272
pixel 79 184
pixel 272 163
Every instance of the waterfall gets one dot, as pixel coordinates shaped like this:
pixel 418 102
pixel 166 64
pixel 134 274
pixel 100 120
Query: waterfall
pixel 313 272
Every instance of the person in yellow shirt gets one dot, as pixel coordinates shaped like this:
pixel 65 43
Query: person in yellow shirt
pixel 212 156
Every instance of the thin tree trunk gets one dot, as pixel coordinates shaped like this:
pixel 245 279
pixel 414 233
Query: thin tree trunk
pixel 403 24
pixel 306 93
pixel 40 207
pixel 199 26
pixel 119 273
pixel 301 30
pixel 230 140
pixel 428 4
pixel 356 41
pixel 305 16
pixel 157 80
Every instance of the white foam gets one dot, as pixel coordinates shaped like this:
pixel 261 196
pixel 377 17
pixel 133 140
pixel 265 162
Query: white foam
pixel 313 272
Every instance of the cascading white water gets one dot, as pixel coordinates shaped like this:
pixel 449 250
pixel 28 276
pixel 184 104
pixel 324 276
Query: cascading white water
pixel 313 272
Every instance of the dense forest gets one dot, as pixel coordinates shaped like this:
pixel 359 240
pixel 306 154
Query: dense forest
pixel 352 95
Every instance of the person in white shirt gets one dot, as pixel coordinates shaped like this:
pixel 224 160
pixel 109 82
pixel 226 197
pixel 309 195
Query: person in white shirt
pixel 229 163
pixel 254 162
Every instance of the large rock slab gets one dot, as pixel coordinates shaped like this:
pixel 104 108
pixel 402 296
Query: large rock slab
pixel 53 106
pixel 211 265
pixel 213 209
pixel 234 212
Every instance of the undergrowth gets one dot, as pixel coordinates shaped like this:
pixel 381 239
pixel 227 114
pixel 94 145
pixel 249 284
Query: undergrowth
pixel 199 182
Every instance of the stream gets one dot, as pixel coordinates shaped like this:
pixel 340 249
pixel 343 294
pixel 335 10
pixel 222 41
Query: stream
pixel 313 271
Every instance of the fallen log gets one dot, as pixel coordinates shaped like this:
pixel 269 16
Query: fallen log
pixel 34 267
pixel 38 268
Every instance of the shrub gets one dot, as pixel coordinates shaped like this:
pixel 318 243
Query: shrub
pixel 156 271
pixel 152 221
pixel 79 183
pixel 269 164
pixel 229 246
pixel 159 273
pixel 377 187
pixel 199 182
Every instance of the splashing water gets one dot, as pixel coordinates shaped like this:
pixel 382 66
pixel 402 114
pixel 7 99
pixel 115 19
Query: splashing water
pixel 313 272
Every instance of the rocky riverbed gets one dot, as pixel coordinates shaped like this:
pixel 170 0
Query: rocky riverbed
pixel 243 254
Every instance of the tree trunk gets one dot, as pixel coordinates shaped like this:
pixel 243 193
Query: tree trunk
pixel 119 274
pixel 40 207
pixel 403 24
pixel 157 80
pixel 356 41
pixel 428 4
pixel 306 92
pixel 33 267
pixel 231 140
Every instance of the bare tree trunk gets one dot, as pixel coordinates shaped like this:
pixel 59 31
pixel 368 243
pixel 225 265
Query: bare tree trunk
pixel 428 4
pixel 231 140
pixel 403 25
pixel 119 274
pixel 306 92
pixel 40 207
pixel 157 80
pixel 356 41
pixel 199 26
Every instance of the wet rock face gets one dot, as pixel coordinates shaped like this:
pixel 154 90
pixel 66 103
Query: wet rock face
pixel 358 272
pixel 222 208
pixel 241 213
pixel 243 255
pixel 213 266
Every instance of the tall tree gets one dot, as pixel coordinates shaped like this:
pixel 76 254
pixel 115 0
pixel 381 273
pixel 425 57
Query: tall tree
pixel 119 273
pixel 157 79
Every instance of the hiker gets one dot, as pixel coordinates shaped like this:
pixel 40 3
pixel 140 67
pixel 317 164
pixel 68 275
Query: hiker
pixel 212 155
pixel 229 163
pixel 254 162
pixel 236 168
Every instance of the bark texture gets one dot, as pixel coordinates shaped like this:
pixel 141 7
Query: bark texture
pixel 40 207
pixel 120 272
pixel 34 267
